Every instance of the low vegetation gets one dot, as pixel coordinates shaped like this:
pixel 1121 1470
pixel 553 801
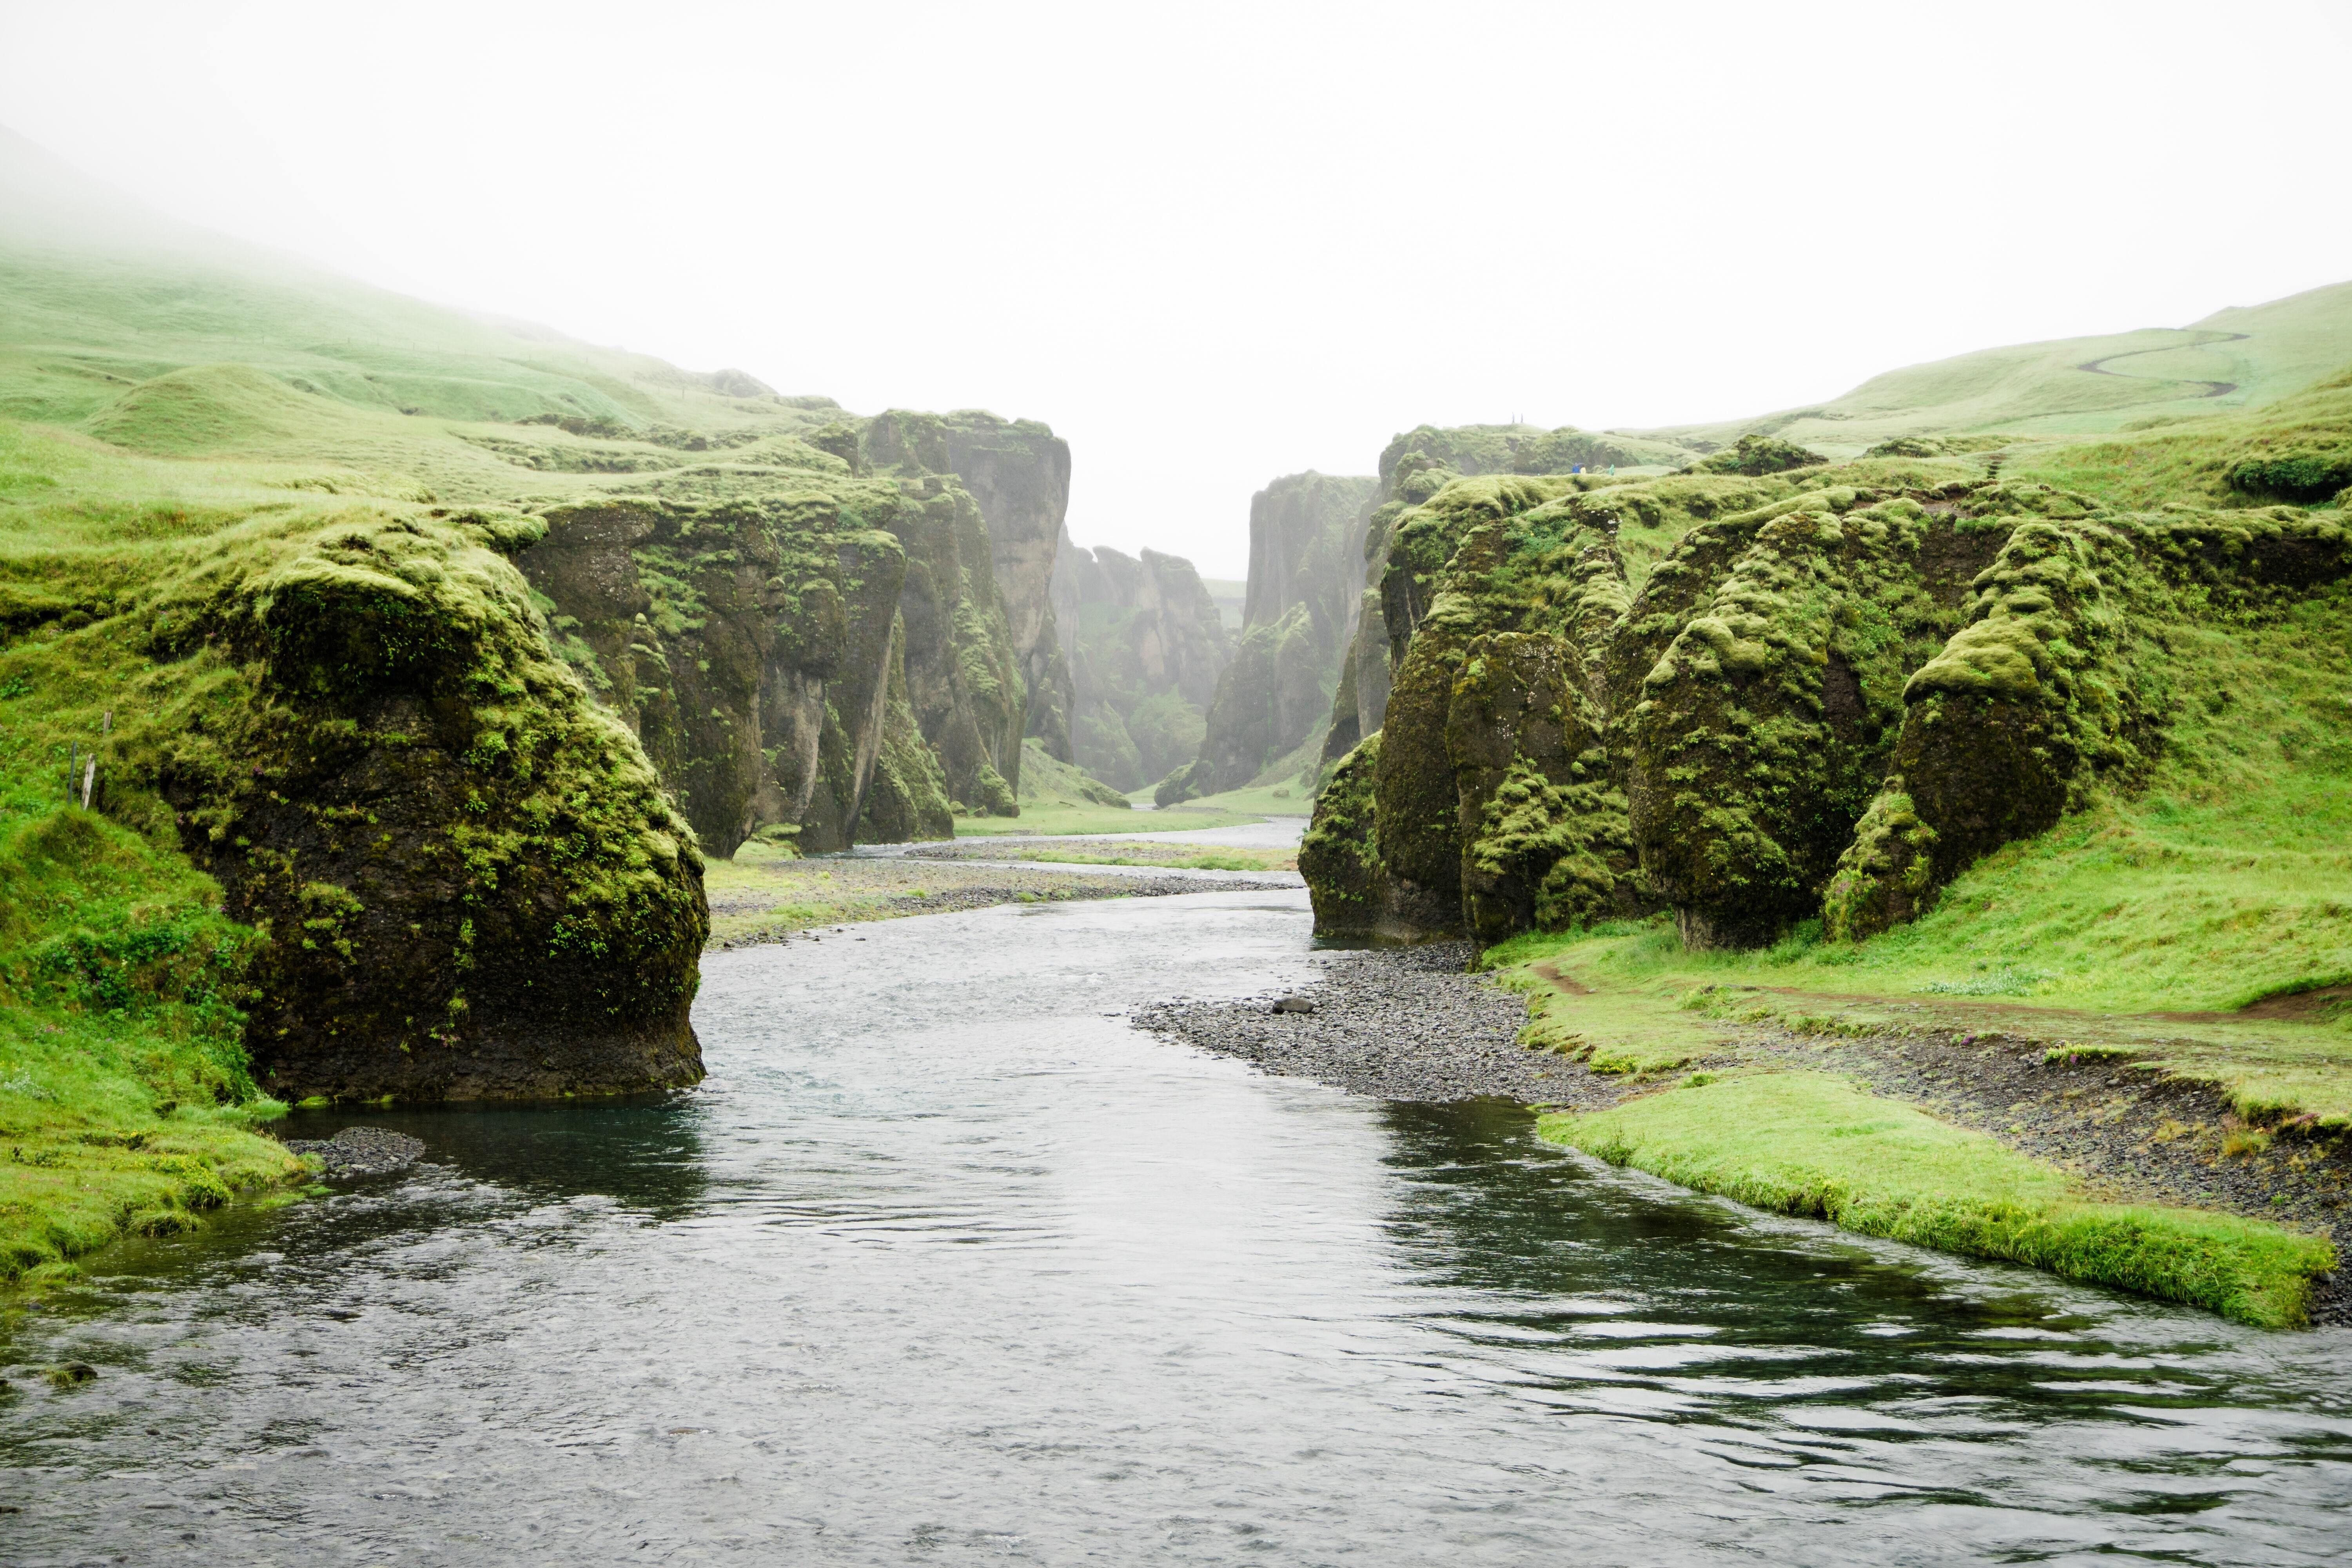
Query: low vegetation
pixel 1805 1143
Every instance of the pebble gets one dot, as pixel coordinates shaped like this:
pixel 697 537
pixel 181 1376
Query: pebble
pixel 361 1151
pixel 1399 1023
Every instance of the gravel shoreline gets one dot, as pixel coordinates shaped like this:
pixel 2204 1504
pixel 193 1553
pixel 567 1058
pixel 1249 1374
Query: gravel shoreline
pixel 1409 1023
pixel 1398 1022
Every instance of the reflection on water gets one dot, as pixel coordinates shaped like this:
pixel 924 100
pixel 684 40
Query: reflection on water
pixel 948 1265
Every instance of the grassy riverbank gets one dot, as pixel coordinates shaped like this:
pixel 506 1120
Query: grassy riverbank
pixel 2177 954
pixel 1812 1144
pixel 125 1099
pixel 2241 1116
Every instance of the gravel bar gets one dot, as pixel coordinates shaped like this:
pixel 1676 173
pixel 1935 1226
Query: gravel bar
pixel 361 1151
pixel 1400 1023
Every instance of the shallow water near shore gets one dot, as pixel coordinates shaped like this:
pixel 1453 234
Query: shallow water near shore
pixel 947 1264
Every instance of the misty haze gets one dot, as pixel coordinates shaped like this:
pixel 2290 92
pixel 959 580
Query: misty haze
pixel 1287 784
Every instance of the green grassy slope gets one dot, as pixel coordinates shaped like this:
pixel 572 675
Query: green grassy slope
pixel 163 338
pixel 2237 358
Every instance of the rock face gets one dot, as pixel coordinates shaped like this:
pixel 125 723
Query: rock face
pixel 1755 698
pixel 1273 695
pixel 468 880
pixel 1414 467
pixel 1146 647
pixel 1018 471
pixel 788 661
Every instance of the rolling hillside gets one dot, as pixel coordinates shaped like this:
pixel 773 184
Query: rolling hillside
pixel 2234 360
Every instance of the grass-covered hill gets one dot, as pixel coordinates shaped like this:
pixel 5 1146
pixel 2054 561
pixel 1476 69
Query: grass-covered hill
pixel 2232 362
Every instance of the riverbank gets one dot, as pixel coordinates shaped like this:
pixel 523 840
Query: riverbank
pixel 1120 851
pixel 2057 1104
pixel 756 902
pixel 126 1102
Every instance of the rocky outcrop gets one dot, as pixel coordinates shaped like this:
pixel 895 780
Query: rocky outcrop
pixel 1018 471
pixel 466 877
pixel 748 646
pixel 1759 735
pixel 1414 467
pixel 962 666
pixel 775 657
pixel 1146 647
pixel 2055 680
pixel 1302 592
pixel 1755 698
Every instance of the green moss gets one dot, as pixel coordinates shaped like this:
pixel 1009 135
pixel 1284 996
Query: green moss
pixel 1806 1143
pixel 1339 853
pixel 1757 455
pixel 1764 728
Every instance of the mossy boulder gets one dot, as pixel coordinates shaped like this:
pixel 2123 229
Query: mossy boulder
pixel 1756 456
pixel 468 880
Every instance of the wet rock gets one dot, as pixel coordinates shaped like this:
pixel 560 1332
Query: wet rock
pixel 72 1374
pixel 361 1151
pixel 1293 1004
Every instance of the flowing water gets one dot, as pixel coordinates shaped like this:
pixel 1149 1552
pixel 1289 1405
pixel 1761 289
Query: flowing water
pixel 947 1264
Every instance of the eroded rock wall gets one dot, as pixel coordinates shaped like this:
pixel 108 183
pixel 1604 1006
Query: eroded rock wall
pixel 1018 471
pixel 775 657
pixel 1755 698
pixel 1146 650
pixel 1303 588
pixel 1414 467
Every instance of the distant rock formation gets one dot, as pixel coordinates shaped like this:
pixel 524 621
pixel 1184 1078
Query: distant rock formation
pixel 1303 573
pixel 1018 471
pixel 1146 647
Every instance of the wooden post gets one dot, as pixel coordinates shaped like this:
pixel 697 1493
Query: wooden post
pixel 88 779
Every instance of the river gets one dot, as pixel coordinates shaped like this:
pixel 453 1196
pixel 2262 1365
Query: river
pixel 948 1265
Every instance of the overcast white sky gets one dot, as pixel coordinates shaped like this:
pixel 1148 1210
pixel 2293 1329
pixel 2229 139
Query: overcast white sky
pixel 1213 244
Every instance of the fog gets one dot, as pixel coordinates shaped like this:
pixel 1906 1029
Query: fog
pixel 1213 244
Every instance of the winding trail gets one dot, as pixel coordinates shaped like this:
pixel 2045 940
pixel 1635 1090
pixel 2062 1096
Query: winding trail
pixel 2212 388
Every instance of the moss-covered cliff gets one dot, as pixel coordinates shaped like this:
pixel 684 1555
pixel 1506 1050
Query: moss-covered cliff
pixel 1273 695
pixel 1414 467
pixel 754 647
pixel 1146 647
pixel 1018 472
pixel 1762 691
pixel 464 878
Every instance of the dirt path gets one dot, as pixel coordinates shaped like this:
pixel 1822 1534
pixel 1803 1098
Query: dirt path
pixel 2212 388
